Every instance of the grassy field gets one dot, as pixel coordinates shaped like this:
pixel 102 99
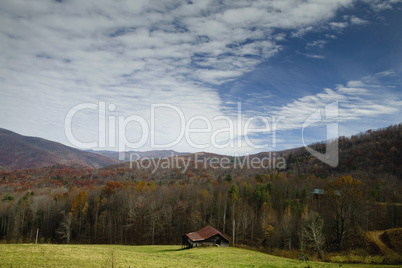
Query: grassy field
pixel 43 255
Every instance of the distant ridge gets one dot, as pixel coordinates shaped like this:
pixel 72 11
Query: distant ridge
pixel 140 155
pixel 19 152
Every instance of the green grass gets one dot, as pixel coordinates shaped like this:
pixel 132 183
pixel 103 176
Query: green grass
pixel 44 255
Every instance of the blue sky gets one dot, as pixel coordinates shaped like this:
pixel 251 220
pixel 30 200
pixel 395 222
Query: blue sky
pixel 200 63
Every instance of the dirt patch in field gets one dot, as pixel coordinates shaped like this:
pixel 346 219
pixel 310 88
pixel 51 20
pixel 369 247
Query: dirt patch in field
pixel 393 239
pixel 385 242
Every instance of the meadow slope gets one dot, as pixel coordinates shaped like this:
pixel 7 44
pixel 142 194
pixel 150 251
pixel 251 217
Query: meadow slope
pixel 44 255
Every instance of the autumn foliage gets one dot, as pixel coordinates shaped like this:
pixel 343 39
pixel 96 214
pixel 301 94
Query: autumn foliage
pixel 264 208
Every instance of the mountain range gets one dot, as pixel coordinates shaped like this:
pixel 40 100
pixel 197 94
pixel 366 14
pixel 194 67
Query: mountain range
pixel 376 151
pixel 136 155
pixel 21 152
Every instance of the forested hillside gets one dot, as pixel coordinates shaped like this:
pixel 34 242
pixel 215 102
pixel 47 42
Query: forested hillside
pixel 305 205
pixel 18 151
pixel 370 154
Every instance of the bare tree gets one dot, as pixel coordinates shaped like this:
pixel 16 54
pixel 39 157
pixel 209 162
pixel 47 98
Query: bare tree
pixel 64 230
pixel 312 234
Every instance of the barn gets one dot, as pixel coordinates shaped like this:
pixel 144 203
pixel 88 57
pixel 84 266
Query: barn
pixel 207 236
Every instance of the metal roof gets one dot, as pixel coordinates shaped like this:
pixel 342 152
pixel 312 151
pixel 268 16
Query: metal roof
pixel 205 233
pixel 322 191
pixel 318 191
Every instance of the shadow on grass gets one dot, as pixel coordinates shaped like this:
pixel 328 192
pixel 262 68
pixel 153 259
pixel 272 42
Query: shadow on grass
pixel 171 250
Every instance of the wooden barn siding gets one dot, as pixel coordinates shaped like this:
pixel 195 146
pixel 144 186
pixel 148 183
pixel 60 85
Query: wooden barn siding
pixel 212 241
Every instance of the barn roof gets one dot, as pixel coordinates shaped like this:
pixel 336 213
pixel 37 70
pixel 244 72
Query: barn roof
pixel 205 233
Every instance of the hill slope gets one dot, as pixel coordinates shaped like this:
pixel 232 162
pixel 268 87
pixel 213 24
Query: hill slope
pixel 373 152
pixel 135 155
pixel 18 151
pixel 46 255
pixel 385 242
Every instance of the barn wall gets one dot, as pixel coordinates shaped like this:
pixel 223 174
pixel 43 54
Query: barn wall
pixel 212 241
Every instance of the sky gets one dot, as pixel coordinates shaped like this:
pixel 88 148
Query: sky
pixel 229 77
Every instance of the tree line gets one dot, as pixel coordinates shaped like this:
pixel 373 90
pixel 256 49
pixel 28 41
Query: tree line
pixel 274 210
pixel 304 206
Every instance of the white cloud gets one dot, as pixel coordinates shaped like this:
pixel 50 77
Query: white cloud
pixel 338 25
pixel 356 83
pixel 379 5
pixel 358 21
pixel 302 31
pixel 314 56
pixel 135 53
pixel 243 16
pixel 279 37
pixel 358 99
pixel 317 43
pixel 331 36
pixel 351 90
